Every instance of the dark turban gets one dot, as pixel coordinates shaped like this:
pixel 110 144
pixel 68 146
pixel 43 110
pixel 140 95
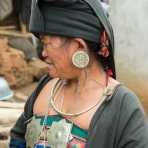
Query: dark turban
pixel 72 18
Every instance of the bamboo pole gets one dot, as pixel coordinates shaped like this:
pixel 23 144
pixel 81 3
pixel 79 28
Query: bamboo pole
pixel 15 33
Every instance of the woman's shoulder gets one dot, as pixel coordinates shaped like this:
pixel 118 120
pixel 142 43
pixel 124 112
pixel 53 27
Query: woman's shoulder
pixel 123 92
pixel 120 92
pixel 122 105
pixel 126 99
pixel 45 85
pixel 45 80
pixel 122 99
pixel 51 83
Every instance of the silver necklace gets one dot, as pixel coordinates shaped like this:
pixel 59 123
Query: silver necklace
pixel 98 103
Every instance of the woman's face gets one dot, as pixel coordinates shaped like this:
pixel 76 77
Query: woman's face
pixel 57 53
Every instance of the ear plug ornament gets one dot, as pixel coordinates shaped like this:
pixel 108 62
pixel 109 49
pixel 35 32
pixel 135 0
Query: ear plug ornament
pixel 80 59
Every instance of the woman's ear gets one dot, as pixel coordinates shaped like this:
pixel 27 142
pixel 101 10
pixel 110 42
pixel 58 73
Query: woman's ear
pixel 77 44
pixel 80 57
pixel 81 44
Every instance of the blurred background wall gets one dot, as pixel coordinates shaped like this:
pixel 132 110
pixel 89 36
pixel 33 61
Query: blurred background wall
pixel 130 23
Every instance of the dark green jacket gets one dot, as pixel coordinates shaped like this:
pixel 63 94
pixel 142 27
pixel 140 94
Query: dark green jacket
pixel 119 123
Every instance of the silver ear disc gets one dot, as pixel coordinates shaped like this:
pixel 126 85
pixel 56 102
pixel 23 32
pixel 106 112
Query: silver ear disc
pixel 80 59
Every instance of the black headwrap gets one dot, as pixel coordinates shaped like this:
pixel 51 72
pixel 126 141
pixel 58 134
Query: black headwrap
pixel 72 18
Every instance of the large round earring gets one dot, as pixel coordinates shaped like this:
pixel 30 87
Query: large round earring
pixel 80 59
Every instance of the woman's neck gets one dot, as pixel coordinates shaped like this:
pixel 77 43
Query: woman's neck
pixel 94 74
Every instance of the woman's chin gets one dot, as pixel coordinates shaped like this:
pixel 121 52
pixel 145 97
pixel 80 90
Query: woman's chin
pixel 52 74
pixel 52 71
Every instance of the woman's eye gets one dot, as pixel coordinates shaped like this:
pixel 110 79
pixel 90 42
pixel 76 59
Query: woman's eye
pixel 45 46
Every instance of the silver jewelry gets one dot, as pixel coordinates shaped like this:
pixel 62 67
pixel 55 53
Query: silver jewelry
pixel 98 103
pixel 59 134
pixel 33 132
pixel 80 59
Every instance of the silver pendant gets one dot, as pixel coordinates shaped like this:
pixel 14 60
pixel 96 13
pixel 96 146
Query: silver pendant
pixel 59 134
pixel 33 132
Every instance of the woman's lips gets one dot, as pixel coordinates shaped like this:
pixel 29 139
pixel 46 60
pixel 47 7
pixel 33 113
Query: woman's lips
pixel 49 63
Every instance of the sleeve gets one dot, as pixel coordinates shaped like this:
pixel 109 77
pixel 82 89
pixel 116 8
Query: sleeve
pixel 17 133
pixel 133 124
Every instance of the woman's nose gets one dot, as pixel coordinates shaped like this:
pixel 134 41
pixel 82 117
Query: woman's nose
pixel 44 54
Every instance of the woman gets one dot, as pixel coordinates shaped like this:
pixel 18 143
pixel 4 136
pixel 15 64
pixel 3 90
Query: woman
pixel 83 105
